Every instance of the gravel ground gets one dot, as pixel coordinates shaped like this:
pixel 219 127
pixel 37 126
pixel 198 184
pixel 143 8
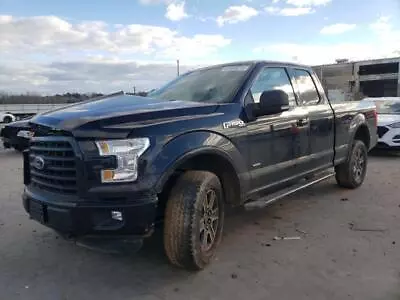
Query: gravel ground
pixel 349 249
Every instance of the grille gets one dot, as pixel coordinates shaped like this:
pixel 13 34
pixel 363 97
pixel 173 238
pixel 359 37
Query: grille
pixel 58 172
pixel 382 131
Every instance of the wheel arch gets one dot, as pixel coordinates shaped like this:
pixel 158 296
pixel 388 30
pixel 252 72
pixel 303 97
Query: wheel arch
pixel 8 116
pixel 206 159
pixel 362 133
pixel 359 130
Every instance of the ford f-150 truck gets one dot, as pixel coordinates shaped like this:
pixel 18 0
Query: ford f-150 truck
pixel 246 133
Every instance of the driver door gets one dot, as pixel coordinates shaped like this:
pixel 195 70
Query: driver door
pixel 275 141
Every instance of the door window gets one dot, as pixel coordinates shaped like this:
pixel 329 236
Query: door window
pixel 272 79
pixel 307 89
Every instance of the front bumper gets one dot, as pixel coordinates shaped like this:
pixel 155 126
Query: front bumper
pixel 390 139
pixel 6 142
pixel 66 194
pixel 385 146
pixel 86 218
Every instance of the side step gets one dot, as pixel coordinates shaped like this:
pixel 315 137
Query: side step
pixel 271 198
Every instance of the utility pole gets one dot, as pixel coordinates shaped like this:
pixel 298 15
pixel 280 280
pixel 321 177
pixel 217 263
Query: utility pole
pixel 134 90
pixel 177 66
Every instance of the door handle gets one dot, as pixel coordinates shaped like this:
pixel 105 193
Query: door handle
pixel 302 122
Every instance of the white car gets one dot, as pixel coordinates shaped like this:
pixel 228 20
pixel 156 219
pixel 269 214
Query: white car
pixel 6 117
pixel 388 109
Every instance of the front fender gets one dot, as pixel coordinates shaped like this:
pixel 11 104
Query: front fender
pixel 194 143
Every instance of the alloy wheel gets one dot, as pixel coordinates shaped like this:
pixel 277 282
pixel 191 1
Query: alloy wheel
pixel 209 220
pixel 359 165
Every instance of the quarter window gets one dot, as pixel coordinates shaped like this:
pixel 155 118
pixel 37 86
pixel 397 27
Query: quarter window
pixel 308 92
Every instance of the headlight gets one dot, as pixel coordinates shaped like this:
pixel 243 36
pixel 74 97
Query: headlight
pixel 25 134
pixel 127 153
pixel 395 125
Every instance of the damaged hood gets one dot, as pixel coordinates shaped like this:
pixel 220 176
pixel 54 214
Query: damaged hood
pixel 120 114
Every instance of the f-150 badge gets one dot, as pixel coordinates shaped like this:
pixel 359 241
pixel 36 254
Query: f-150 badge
pixel 233 124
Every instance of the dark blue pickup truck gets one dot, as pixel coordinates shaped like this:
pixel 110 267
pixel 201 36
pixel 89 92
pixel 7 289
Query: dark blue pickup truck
pixel 246 133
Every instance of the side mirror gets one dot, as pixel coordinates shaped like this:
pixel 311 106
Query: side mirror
pixel 273 102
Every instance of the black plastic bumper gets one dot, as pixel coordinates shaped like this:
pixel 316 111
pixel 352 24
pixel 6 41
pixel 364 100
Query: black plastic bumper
pixel 16 142
pixel 6 142
pixel 384 146
pixel 80 218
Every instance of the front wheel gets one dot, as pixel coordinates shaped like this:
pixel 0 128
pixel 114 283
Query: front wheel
pixel 7 119
pixel 194 220
pixel 351 174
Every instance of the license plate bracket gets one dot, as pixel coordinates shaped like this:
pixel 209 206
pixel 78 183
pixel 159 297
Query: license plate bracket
pixel 37 211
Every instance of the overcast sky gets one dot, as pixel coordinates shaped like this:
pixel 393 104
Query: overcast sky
pixel 52 46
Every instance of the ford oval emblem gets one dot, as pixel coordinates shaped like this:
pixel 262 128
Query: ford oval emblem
pixel 38 162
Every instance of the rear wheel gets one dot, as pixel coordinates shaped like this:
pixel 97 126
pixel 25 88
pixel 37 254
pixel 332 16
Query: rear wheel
pixel 194 219
pixel 351 174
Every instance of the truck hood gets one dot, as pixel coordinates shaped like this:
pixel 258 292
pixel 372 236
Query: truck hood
pixel 384 120
pixel 122 112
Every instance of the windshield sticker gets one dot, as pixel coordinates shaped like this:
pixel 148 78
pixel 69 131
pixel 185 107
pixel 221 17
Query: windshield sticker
pixel 238 68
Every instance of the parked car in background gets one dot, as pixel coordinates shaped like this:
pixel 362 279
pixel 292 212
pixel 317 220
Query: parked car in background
pixel 6 117
pixel 16 135
pixel 388 109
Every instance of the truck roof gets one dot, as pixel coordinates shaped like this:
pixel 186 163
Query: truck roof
pixel 255 62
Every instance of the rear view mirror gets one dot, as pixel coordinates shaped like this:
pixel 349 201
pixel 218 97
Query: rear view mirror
pixel 273 102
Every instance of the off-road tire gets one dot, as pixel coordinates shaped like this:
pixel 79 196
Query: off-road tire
pixel 184 216
pixel 346 173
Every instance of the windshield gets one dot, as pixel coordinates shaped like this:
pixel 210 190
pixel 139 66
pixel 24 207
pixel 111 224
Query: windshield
pixel 215 85
pixel 388 107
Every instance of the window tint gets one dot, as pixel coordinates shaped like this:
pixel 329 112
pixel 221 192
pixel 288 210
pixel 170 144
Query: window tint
pixel 307 89
pixel 272 79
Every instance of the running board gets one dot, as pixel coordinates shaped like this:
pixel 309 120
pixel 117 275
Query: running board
pixel 271 198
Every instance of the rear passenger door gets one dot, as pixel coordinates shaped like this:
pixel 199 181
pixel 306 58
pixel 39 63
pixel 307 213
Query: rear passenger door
pixel 320 119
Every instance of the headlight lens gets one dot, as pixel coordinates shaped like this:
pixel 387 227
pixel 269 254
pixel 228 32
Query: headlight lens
pixel 25 133
pixel 127 153
pixel 395 125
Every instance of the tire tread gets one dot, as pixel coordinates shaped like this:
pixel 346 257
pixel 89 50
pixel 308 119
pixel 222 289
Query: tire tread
pixel 180 219
pixel 343 172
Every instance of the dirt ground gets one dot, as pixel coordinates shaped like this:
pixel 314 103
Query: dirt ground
pixel 349 249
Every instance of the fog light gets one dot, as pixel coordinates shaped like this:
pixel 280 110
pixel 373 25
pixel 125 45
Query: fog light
pixel 116 215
